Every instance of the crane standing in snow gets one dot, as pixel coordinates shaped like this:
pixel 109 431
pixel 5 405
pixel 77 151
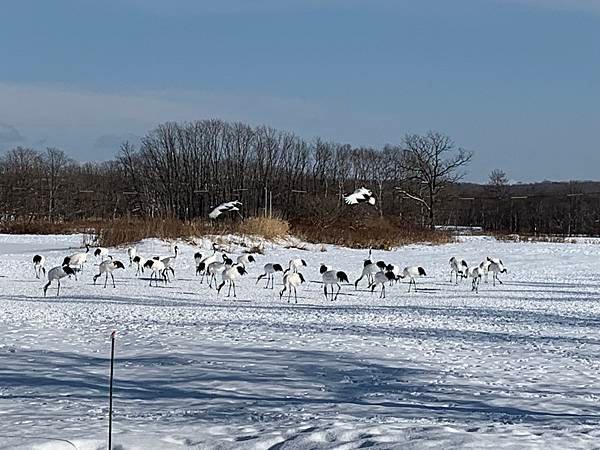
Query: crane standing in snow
pixel 395 270
pixel 169 260
pixel 197 260
pixel 291 281
pixel 270 269
pixel 332 278
pixel 496 267
pixel 370 268
pixel 77 260
pixel 475 273
pixel 56 274
pixel 413 272
pixel 217 267
pixel 493 265
pixel 381 278
pixel 369 271
pixel 132 253
pixel 138 260
pixel 457 269
pixel 38 265
pixel 203 264
pixel 107 267
pixel 158 269
pixel 231 274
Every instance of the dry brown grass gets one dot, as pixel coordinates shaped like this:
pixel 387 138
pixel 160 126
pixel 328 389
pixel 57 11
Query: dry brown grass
pixel 375 232
pixel 123 231
pixel 268 228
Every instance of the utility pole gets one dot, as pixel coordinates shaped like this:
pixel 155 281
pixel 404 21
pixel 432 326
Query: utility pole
pixel 266 201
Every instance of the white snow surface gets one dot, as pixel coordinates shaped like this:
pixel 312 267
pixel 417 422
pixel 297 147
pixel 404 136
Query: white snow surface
pixel 515 366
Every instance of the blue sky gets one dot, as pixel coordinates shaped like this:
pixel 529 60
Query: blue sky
pixel 515 81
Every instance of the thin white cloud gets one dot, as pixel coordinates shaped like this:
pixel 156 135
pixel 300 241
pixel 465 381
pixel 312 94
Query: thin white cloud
pixel 34 105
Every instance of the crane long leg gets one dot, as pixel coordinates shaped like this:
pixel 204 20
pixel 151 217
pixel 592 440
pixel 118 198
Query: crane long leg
pixel 357 281
pixel 113 279
pixel 105 279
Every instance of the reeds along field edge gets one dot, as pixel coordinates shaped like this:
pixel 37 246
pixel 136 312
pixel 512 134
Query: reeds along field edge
pixel 378 233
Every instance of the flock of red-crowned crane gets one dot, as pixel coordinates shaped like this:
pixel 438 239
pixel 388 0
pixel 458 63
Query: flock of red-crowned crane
pixel 376 273
pixel 219 269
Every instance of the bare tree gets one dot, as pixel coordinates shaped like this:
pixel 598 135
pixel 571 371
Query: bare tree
pixel 497 189
pixel 498 178
pixel 432 163
pixel 54 163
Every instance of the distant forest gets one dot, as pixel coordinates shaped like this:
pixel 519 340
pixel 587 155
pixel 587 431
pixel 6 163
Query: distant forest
pixel 183 170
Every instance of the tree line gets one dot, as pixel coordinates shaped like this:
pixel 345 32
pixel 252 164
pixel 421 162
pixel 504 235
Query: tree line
pixel 183 170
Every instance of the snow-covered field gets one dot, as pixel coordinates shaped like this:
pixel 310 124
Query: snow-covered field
pixel 516 366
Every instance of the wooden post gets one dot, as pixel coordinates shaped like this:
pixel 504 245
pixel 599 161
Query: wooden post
pixel 110 392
